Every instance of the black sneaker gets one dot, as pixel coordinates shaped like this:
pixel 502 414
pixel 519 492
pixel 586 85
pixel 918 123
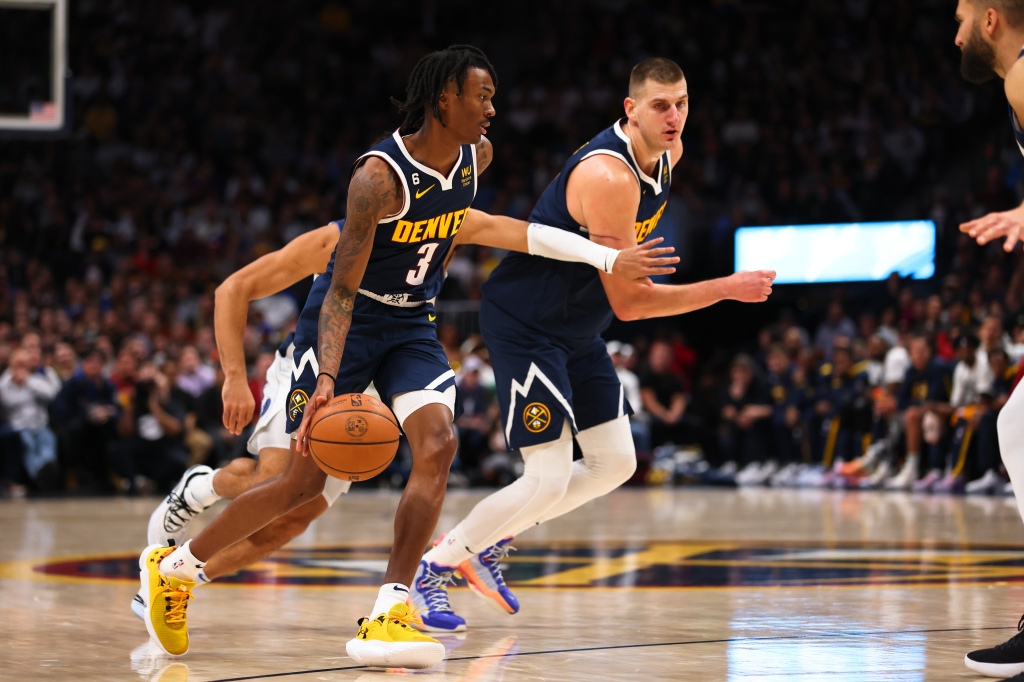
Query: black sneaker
pixel 1002 660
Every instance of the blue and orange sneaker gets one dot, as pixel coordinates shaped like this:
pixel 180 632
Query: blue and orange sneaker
pixel 428 595
pixel 483 572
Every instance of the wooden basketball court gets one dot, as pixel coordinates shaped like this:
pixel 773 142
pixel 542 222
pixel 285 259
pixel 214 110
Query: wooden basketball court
pixel 662 584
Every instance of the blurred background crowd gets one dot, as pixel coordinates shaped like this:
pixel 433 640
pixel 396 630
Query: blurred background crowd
pixel 205 135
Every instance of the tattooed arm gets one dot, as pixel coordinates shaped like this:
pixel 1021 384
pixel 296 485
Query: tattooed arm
pixel 373 193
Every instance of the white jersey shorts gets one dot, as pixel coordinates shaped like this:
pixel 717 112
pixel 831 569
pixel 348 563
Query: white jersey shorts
pixel 270 428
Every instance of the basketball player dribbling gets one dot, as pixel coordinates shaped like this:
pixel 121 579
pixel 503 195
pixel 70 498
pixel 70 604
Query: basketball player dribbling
pixel 408 203
pixel 991 39
pixel 542 322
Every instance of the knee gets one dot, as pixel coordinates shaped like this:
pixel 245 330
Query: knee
pixel 436 452
pixel 302 482
pixel 621 467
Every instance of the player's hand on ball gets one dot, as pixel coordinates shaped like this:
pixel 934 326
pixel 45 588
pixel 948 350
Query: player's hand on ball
pixel 1009 224
pixel 239 404
pixel 324 392
pixel 750 286
pixel 642 261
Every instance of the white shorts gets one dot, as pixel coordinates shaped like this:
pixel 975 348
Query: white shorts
pixel 270 428
pixel 269 431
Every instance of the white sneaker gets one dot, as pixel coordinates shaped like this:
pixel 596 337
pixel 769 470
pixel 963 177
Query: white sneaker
pixel 906 478
pixel 878 477
pixel 748 473
pixel 768 469
pixel 785 476
pixel 811 477
pixel 168 524
pixel 986 485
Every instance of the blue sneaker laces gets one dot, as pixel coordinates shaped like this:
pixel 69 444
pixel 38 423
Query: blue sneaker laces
pixel 434 586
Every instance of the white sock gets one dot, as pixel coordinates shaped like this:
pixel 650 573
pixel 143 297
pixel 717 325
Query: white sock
pixel 452 550
pixel 181 564
pixel 200 493
pixel 389 595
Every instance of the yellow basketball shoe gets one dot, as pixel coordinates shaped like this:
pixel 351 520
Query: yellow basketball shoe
pixel 168 599
pixel 390 641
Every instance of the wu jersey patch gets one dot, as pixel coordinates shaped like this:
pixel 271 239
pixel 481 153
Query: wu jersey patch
pixel 536 417
pixel 296 404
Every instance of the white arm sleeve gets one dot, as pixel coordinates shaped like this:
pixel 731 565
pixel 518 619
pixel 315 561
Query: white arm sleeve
pixel 551 242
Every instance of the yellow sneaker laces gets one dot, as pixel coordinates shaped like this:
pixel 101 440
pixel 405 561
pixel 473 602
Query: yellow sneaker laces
pixel 179 599
pixel 412 617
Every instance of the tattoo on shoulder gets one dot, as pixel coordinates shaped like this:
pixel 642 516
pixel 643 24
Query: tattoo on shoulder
pixel 373 191
pixel 483 155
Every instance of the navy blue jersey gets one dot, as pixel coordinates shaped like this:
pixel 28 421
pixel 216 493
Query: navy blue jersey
pixel 1018 134
pixel 567 300
pixel 409 247
pixel 933 384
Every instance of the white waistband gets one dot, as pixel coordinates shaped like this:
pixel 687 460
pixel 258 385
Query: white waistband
pixel 397 300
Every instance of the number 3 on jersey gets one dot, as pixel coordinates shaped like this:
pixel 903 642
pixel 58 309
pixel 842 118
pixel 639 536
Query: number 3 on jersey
pixel 417 276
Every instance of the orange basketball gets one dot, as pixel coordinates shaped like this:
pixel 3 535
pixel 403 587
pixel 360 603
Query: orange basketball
pixel 354 437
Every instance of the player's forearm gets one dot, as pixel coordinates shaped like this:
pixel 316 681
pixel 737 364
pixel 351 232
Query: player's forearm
pixel 501 232
pixel 663 300
pixel 230 311
pixel 335 321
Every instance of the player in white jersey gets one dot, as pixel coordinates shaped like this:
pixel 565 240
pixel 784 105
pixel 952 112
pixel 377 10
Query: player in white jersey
pixel 991 38
pixel 201 486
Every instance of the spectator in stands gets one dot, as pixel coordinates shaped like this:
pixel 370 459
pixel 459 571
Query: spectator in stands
pixel 989 459
pixel 25 397
pixel 151 451
pixel 745 431
pixel 623 357
pixel 194 377
pixel 841 407
pixel 87 412
pixel 479 416
pixel 663 397
pixel 836 325
pixel 923 395
pixel 197 441
pixel 971 380
pixel 787 421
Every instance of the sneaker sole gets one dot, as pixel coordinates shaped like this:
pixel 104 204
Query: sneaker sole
pixel 144 584
pixel 380 654
pixel 494 599
pixel 435 628
pixel 994 669
pixel 139 608
pixel 156 525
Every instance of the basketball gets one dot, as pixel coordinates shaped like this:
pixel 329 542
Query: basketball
pixel 354 437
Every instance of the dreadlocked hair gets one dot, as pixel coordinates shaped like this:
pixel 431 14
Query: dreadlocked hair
pixel 429 77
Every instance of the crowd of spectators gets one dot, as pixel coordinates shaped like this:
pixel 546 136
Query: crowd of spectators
pixel 205 134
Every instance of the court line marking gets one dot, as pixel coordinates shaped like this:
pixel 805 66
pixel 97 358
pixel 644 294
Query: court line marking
pixel 614 647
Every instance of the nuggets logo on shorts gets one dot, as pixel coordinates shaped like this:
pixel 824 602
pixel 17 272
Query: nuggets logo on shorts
pixel 296 403
pixel 356 427
pixel 536 417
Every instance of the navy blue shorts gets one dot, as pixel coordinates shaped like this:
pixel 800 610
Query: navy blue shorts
pixel 395 348
pixel 541 380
